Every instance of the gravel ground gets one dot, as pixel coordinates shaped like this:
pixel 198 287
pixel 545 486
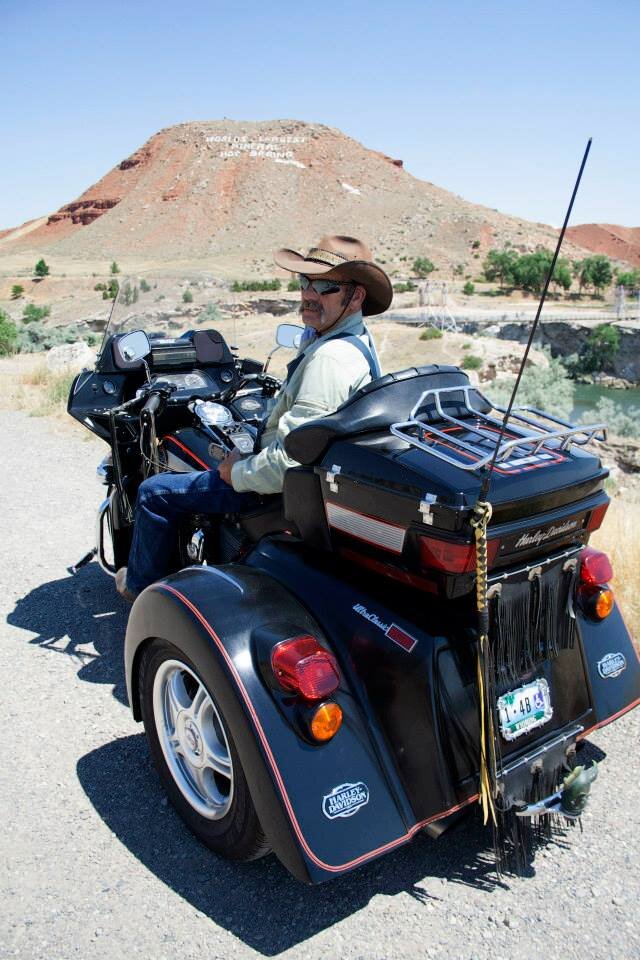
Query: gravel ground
pixel 94 863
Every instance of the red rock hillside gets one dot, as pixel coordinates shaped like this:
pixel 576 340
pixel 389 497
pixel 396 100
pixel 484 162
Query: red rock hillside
pixel 619 243
pixel 229 192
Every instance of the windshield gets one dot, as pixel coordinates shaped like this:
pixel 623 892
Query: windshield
pixel 170 306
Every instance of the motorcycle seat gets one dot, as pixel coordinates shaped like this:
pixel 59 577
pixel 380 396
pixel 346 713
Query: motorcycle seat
pixel 377 405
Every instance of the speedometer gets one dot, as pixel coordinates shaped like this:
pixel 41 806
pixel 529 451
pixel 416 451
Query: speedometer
pixel 193 380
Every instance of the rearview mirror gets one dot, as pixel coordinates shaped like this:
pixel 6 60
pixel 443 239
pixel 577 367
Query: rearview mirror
pixel 130 349
pixel 289 335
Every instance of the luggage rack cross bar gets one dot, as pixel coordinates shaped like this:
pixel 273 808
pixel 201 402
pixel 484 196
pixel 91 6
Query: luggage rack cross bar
pixel 534 435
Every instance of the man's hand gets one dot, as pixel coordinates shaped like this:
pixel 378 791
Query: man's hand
pixel 224 467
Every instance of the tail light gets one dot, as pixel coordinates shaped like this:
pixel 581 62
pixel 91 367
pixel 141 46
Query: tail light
pixel 596 517
pixel 302 666
pixel 453 557
pixel 596 598
pixel 595 567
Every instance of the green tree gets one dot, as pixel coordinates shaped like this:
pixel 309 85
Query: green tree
pixel 8 335
pixel 600 272
pixel 422 267
pixel 629 279
pixel 187 297
pixel 530 270
pixel 114 267
pixel 41 269
pixel 561 274
pixel 144 286
pixel 468 288
pixel 16 291
pixel 600 350
pixel 499 265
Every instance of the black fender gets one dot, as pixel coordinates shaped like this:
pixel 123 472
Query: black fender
pixel 219 617
pixel 612 667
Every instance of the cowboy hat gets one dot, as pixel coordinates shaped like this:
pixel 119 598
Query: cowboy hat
pixel 342 258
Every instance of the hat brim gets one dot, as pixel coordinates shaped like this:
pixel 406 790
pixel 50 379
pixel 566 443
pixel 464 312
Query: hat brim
pixel 371 277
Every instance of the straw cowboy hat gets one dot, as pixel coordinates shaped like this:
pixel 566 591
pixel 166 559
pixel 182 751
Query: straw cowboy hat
pixel 342 258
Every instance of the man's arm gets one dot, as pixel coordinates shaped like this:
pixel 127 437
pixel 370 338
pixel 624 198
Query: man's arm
pixel 327 381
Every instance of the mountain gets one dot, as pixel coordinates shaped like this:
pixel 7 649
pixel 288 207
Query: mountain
pixel 226 193
pixel 619 243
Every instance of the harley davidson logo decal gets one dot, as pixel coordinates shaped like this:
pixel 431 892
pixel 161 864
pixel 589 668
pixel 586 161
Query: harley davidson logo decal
pixel 345 800
pixel 391 630
pixel 541 536
pixel 612 666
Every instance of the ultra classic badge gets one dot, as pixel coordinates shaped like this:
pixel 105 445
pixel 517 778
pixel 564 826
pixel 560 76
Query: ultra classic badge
pixel 345 800
pixel 611 666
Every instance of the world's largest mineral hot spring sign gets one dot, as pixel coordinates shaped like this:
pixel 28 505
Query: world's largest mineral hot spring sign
pixel 276 148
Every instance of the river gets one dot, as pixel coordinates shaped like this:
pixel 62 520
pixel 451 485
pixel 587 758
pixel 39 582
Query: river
pixel 587 395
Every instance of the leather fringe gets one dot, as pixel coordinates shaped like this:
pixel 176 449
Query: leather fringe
pixel 530 622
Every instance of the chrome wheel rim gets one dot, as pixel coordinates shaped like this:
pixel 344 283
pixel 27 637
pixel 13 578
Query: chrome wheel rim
pixel 193 739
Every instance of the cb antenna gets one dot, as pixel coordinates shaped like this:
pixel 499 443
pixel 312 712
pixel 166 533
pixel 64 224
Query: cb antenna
pixel 487 480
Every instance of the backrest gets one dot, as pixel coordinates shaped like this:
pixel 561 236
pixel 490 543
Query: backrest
pixel 376 406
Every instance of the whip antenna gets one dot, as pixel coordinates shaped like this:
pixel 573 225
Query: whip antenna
pixel 487 480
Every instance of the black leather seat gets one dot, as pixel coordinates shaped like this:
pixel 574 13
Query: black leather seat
pixel 376 406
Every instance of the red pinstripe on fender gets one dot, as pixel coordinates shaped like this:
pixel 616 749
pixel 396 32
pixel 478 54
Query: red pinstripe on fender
pixel 332 868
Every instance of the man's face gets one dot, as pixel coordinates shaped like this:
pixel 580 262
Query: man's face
pixel 321 311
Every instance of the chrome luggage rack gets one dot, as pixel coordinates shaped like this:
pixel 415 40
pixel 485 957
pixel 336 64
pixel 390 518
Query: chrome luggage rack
pixel 481 435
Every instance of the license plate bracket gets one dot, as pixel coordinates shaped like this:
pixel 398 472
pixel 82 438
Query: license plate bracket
pixel 524 709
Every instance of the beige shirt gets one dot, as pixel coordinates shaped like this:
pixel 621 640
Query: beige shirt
pixel 330 373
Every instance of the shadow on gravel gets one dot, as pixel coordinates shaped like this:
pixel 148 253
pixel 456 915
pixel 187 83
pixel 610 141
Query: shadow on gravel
pixel 260 902
pixel 76 610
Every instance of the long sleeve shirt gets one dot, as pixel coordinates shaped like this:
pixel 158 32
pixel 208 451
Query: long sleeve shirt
pixel 331 371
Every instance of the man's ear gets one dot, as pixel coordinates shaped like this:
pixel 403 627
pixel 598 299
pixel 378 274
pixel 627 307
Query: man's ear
pixel 359 296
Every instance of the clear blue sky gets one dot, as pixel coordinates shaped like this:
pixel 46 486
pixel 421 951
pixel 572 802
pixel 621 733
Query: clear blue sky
pixel 492 100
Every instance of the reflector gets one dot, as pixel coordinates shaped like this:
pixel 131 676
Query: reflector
pixel 302 665
pixel 326 721
pixel 595 567
pixel 453 557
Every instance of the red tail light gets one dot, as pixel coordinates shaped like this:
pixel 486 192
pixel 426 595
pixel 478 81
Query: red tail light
pixel 596 517
pixel 303 666
pixel 595 567
pixel 453 557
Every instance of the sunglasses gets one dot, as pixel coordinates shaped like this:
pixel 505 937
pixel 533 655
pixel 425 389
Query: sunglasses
pixel 322 287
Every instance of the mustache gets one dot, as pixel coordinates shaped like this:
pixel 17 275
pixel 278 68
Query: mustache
pixel 310 305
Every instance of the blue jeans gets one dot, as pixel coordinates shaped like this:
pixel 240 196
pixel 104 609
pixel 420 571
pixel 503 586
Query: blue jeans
pixel 163 502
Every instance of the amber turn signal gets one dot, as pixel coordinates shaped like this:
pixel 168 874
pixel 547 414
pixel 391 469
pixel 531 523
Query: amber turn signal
pixel 604 603
pixel 326 721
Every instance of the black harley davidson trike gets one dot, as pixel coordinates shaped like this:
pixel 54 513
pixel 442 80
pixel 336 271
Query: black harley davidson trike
pixel 310 678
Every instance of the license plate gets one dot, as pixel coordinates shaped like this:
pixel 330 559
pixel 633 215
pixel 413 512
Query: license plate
pixel 525 708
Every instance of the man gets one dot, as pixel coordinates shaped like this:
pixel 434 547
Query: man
pixel 339 284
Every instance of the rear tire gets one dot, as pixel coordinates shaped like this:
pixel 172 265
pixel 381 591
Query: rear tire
pixel 195 756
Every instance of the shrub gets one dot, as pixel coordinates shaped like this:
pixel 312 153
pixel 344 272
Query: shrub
pixel 16 291
pixel 468 288
pixel 475 245
pixel 8 335
pixel 114 268
pixel 624 423
pixel 431 333
pixel 210 314
pixel 112 290
pixel 33 314
pixel 91 339
pixel 547 388
pixel 471 362
pixel 187 297
pixel 239 286
pixel 41 269
pixel 404 287
pixel 422 267
pixel 466 346
pixel 100 286
pixel 293 284
pixel 144 286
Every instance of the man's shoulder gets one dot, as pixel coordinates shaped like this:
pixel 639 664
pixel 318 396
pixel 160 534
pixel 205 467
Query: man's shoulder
pixel 342 349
